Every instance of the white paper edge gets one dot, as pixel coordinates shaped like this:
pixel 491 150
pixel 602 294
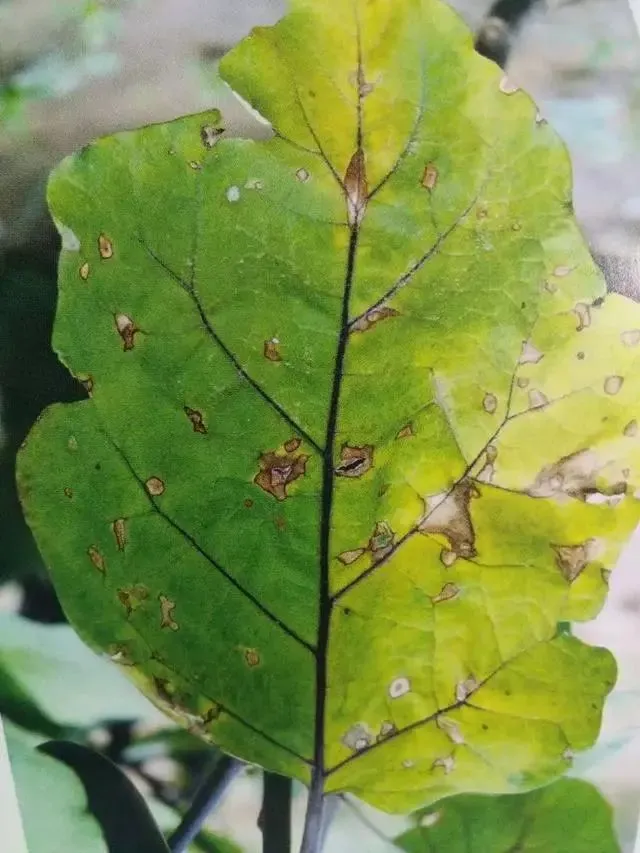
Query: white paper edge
pixel 13 837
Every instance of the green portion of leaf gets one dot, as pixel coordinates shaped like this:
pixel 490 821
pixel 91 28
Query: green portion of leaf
pixel 363 425
pixel 569 815
pixel 49 680
pixel 52 799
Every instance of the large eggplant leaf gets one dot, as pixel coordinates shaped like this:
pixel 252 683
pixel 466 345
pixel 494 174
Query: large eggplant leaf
pixel 363 425
pixel 569 815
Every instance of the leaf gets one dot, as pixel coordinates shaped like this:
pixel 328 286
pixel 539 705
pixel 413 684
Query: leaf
pixel 569 815
pixel 74 799
pixel 363 424
pixel 49 680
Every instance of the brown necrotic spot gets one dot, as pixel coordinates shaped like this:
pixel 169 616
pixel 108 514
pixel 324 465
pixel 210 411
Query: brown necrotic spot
pixel 406 432
pixel 613 384
pixel 448 592
pixel 248 503
pixel 349 557
pixel 119 530
pixel 354 461
pixel 447 514
pixel 430 177
pixel 84 271
pixel 155 487
pixel 167 608
pixel 132 597
pixel 630 338
pixel 292 445
pixel 127 330
pixel 490 403
pixel 68 493
pixel 97 559
pixel 105 247
pixel 271 350
pixel 210 135
pixel 278 471
pixel 251 658
pixel 372 318
pixel 197 421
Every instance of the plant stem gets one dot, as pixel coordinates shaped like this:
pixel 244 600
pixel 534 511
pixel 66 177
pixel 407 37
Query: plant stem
pixel 212 789
pixel 313 835
pixel 275 818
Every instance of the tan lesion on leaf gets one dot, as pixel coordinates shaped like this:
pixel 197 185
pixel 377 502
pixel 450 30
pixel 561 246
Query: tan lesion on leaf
pixel 631 429
pixel 530 354
pixel 446 763
pixel 127 330
pixel 279 468
pixel 87 383
pixel 84 271
pixel 271 350
pixel 406 432
pixel 466 688
pixel 119 653
pixel 583 313
pixel 354 461
pixel 210 135
pixel 448 514
pixel 356 187
pixel 387 730
pixel 167 609
pixel 197 420
pixel 572 560
pixel 451 729
pixel 68 492
pixel 381 541
pixel 358 737
pixel 490 403
pixel 349 557
pixel 448 592
pixel 613 385
pixel 292 445
pixel 488 470
pixel 252 658
pixel 370 319
pixel 97 558
pixel 155 487
pixel 577 475
pixel 399 687
pixel 132 597
pixel 630 337
pixel 119 530
pixel 430 177
pixel 105 247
